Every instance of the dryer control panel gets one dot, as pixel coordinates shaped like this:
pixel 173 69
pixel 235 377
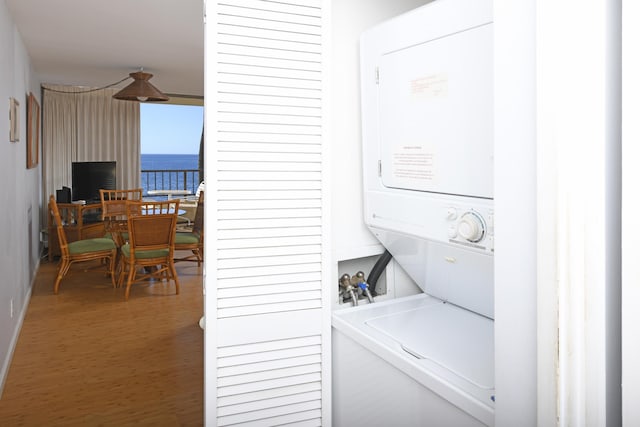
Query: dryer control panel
pixel 463 221
pixel 471 227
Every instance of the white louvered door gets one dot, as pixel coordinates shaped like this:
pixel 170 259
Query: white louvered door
pixel 267 293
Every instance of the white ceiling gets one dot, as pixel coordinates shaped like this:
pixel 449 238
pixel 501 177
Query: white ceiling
pixel 98 42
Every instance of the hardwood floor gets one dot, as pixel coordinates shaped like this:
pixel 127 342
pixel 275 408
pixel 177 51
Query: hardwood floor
pixel 87 357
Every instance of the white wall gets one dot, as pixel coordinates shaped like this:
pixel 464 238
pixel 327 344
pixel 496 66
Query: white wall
pixel 581 131
pixel 20 195
pixel 630 208
pixel 350 238
pixel 557 213
pixel 515 207
pixel 349 18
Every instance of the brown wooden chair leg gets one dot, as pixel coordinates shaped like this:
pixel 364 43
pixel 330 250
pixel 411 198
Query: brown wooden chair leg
pixel 112 268
pixel 131 276
pixel 123 272
pixel 62 271
pixel 172 268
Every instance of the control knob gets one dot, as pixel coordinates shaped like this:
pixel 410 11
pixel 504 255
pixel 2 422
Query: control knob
pixel 471 227
pixel 452 213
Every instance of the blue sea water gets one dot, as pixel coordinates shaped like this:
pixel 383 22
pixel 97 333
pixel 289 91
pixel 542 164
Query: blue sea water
pixel 168 161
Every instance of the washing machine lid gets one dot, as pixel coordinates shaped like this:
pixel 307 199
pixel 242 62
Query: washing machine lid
pixel 454 338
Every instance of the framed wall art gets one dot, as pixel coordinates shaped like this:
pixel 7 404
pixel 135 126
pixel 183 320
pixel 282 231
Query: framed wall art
pixel 14 120
pixel 33 131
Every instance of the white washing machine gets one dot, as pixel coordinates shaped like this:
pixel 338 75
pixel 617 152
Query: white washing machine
pixel 427 111
pixel 414 361
pixel 427 359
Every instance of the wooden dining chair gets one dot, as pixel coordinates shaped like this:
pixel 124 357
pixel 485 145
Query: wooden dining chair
pixel 114 211
pixel 193 240
pixel 114 202
pixel 149 252
pixel 102 249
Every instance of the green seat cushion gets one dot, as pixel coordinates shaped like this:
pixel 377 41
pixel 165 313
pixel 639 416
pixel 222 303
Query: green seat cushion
pixel 91 245
pixel 187 239
pixel 159 253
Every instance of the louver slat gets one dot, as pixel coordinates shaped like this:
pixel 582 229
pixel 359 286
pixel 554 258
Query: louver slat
pixel 269 240
pixel 269 381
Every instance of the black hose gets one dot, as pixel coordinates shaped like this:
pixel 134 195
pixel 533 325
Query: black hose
pixel 377 270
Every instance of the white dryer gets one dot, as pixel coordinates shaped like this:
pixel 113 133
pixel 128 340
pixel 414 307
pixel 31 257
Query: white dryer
pixel 427 112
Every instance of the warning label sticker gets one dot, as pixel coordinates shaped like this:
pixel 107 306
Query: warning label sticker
pixel 413 163
pixel 435 85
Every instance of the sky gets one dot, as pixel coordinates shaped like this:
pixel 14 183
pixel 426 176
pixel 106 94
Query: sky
pixel 170 129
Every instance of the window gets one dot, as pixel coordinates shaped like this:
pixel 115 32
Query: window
pixel 170 143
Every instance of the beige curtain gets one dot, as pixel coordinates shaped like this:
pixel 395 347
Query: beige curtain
pixel 89 126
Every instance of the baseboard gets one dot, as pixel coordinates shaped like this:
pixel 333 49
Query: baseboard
pixel 16 333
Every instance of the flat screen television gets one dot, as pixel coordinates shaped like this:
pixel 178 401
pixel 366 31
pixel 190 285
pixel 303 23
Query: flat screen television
pixel 87 178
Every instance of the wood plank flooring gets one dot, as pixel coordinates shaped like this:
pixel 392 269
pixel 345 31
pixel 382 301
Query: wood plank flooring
pixel 87 357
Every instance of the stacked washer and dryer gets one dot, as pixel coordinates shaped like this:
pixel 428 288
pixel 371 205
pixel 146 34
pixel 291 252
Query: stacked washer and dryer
pixel 427 112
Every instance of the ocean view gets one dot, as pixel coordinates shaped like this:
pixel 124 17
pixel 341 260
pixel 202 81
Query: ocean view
pixel 168 181
pixel 168 161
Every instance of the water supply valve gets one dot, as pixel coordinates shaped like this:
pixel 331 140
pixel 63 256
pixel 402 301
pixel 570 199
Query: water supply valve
pixel 360 282
pixel 348 288
pixel 365 289
pixel 355 287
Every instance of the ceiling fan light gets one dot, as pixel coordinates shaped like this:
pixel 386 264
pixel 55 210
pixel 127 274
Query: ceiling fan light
pixel 141 90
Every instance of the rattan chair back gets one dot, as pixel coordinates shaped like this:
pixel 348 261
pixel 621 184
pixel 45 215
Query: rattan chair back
pixel 82 250
pixel 114 202
pixel 62 236
pixel 151 228
pixel 152 225
pixel 198 219
pixel 193 241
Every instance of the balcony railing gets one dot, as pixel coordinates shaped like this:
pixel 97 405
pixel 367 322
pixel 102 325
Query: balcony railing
pixel 157 180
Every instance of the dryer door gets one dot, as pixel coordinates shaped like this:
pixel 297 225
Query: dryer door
pixel 435 104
